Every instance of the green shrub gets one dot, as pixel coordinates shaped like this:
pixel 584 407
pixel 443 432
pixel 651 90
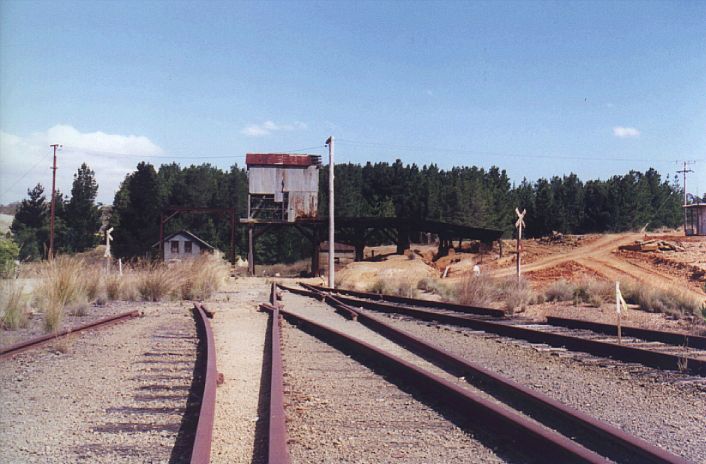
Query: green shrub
pixel 9 251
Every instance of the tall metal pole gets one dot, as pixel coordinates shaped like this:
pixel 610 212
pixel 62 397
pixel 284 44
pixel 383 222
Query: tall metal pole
pixel 53 207
pixel 331 242
pixel 684 171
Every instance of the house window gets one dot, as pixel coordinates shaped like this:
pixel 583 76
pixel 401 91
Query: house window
pixel 175 246
pixel 187 247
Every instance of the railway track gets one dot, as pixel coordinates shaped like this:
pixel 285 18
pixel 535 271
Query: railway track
pixel 39 341
pixel 527 420
pixel 661 350
pixel 144 393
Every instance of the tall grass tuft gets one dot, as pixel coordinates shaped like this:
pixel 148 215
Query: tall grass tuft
pixel 560 290
pixel 482 290
pixel 677 303
pixel 155 281
pixel 63 283
pixel 477 290
pixel 517 295
pixel 591 291
pixel 436 286
pixel 200 277
pixel 113 286
pixel 14 308
pixel 93 285
pixel 379 286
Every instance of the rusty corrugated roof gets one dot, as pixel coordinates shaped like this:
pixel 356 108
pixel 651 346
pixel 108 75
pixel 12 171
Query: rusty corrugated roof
pixel 280 159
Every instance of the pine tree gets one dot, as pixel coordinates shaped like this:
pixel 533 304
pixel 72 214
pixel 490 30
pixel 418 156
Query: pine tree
pixel 31 225
pixel 136 212
pixel 82 216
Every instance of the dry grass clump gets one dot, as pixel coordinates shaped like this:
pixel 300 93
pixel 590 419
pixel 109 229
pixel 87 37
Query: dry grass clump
pixel 482 290
pixel 518 295
pixel 113 286
pixel 294 269
pixel 196 278
pixel 560 290
pixel 677 303
pixel 14 309
pixel 379 286
pixel 437 287
pixel 399 288
pixel 591 291
pixel 201 277
pixel 63 282
pixel 94 284
pixel 477 290
pixel 155 281
pixel 406 289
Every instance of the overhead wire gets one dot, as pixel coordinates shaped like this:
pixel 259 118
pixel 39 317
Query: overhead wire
pixel 172 156
pixel 21 177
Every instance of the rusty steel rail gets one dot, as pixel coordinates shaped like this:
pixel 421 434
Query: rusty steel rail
pixel 623 353
pixel 610 441
pixel 201 451
pixel 466 309
pixel 277 450
pixel 521 432
pixel 670 338
pixel 35 342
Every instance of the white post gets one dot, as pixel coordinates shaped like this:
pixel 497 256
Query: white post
pixel 107 254
pixel 120 266
pixel 520 223
pixel 331 242
pixel 618 298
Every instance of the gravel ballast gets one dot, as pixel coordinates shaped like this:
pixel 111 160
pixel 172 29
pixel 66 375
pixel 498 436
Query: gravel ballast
pixel 239 331
pixel 111 395
pixel 339 411
pixel 666 409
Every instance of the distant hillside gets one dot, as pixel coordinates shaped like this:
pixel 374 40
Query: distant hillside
pixel 5 222
pixel 10 208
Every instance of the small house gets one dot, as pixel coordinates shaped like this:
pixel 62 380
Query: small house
pixel 695 216
pixel 184 245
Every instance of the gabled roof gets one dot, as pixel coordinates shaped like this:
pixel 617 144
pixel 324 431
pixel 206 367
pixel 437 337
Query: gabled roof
pixel 281 159
pixel 193 237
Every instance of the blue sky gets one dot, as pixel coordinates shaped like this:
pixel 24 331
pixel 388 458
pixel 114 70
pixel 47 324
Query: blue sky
pixel 537 88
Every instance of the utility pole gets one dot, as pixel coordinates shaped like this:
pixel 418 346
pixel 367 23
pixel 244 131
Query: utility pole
pixel 520 223
pixel 331 246
pixel 53 207
pixel 685 171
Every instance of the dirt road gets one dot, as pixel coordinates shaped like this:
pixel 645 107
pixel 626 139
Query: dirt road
pixel 599 257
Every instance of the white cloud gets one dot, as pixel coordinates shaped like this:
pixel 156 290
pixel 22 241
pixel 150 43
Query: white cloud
pixel 25 161
pixel 268 127
pixel 625 132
